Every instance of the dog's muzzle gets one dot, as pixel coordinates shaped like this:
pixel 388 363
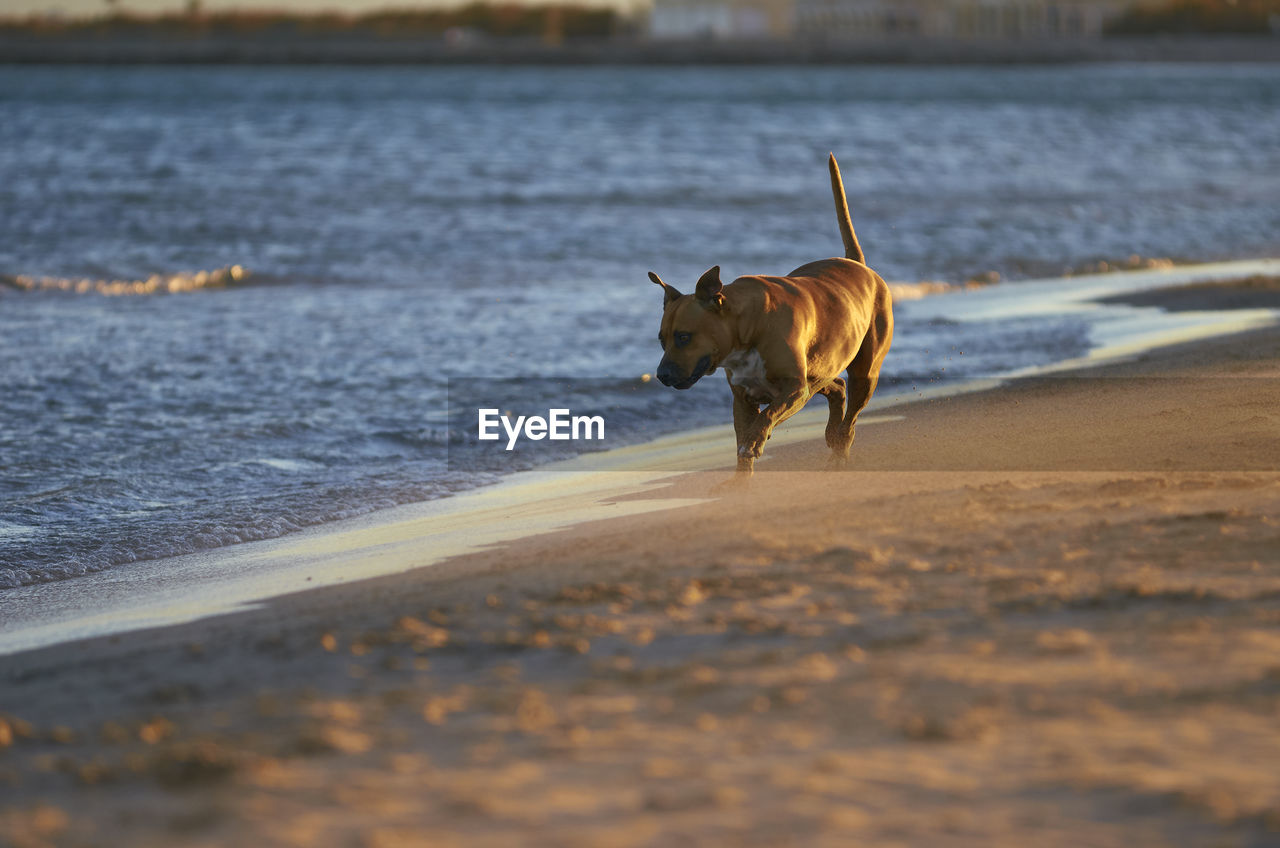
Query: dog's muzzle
pixel 669 374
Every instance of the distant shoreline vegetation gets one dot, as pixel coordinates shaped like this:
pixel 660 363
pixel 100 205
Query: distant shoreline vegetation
pixel 551 23
pixel 508 33
pixel 1237 17
pixel 505 20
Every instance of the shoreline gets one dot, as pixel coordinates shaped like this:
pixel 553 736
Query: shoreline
pixel 219 581
pixel 955 657
pixel 890 50
pixel 692 464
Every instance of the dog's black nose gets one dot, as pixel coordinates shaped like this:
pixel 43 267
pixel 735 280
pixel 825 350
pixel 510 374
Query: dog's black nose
pixel 667 374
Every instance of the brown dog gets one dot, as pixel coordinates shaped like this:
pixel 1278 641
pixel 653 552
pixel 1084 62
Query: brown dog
pixel 781 340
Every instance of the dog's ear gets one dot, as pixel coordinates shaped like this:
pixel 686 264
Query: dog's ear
pixel 670 293
pixel 709 289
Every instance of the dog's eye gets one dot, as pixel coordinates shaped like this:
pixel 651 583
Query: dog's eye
pixel 682 339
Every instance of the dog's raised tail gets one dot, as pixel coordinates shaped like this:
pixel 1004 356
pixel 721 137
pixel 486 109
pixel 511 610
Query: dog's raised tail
pixel 852 250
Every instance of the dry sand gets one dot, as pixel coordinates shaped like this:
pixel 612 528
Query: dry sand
pixel 1045 615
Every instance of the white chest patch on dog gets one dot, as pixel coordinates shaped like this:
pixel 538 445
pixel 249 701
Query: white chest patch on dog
pixel 745 368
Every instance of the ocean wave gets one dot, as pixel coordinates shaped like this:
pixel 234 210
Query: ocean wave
pixel 925 288
pixel 1133 262
pixel 162 537
pixel 181 282
pixel 904 291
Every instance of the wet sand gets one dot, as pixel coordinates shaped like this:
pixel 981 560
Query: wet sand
pixel 1047 614
pixel 1257 292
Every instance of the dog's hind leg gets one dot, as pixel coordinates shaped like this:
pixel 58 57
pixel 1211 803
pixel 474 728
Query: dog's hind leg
pixel 835 394
pixel 864 373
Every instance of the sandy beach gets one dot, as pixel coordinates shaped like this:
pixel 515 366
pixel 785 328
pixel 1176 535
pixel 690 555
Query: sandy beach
pixel 1046 614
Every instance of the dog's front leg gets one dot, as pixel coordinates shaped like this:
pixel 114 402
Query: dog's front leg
pixel 793 395
pixel 745 413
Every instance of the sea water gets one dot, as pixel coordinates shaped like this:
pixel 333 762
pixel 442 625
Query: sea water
pixel 370 237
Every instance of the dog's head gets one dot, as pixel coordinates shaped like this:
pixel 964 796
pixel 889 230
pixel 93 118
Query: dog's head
pixel 695 332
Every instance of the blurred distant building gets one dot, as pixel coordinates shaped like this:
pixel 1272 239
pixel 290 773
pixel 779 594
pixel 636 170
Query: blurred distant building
pixel 732 19
pixel 956 18
pixel 722 19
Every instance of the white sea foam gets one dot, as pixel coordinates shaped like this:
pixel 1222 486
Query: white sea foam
pixel 903 291
pixel 183 281
pixel 916 291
